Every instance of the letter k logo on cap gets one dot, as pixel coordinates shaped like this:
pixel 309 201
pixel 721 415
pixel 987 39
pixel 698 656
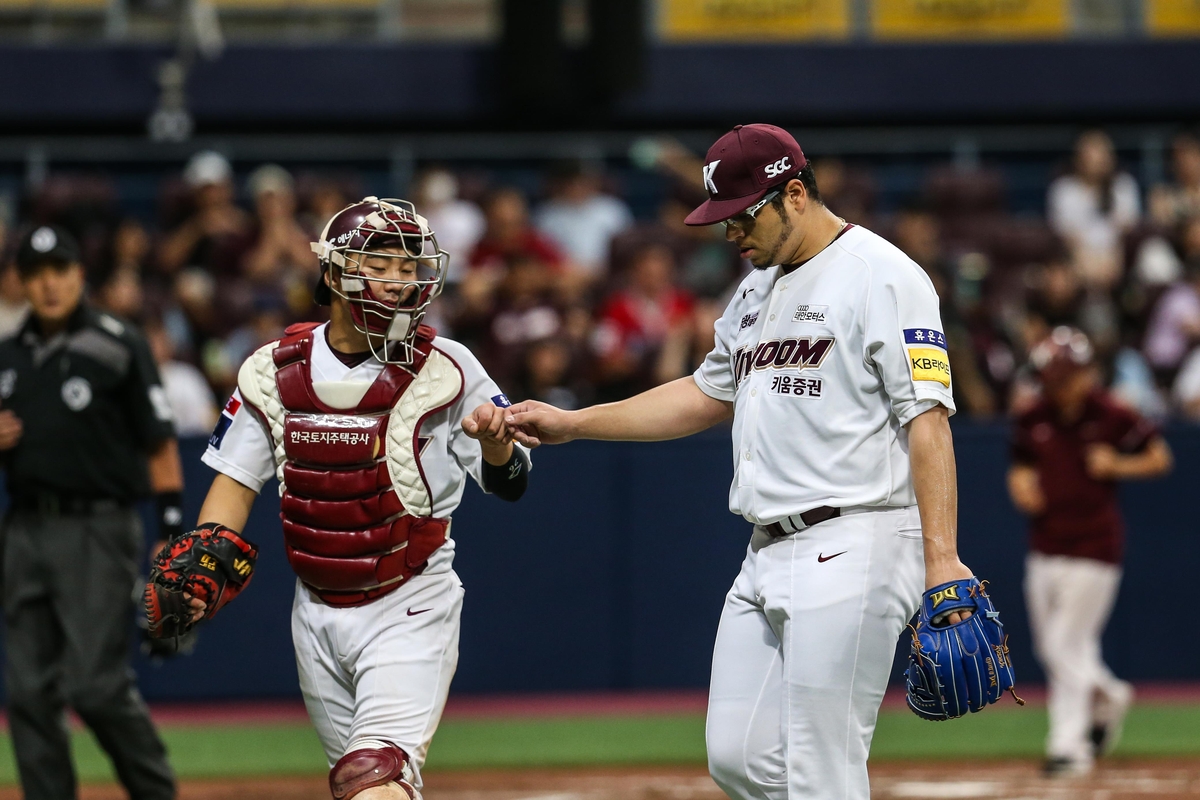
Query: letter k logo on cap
pixel 709 169
pixel 754 159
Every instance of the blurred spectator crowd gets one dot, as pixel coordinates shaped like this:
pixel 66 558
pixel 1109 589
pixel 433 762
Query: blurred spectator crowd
pixel 567 297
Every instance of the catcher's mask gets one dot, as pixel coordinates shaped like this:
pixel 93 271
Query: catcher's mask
pixel 385 243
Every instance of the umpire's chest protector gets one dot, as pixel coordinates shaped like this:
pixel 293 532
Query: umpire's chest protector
pixel 355 504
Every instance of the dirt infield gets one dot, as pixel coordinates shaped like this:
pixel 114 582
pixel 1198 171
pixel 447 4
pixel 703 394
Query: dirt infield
pixel 1118 780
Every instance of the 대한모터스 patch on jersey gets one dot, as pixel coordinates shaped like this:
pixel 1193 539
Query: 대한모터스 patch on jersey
pixel 795 386
pixel 806 312
pixel 501 401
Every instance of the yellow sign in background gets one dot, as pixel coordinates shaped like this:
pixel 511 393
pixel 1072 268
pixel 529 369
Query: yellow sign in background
pixel 753 20
pixel 971 19
pixel 1173 17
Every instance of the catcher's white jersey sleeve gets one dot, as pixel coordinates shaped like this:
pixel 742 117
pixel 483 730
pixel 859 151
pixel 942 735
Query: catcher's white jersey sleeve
pixel 824 366
pixel 241 446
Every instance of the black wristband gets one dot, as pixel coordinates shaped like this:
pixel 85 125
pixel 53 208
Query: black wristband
pixel 509 480
pixel 170 515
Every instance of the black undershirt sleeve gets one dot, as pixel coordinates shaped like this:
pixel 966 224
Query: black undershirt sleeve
pixel 509 480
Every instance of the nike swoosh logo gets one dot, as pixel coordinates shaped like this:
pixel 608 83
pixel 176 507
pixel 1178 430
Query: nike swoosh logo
pixel 821 559
pixel 412 613
pixel 746 292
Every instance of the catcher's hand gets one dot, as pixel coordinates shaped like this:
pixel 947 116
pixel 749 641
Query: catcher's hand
pixel 956 667
pixel 194 576
pixel 487 425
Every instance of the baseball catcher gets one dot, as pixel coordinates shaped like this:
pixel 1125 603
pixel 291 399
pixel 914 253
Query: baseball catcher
pixel 959 660
pixel 371 424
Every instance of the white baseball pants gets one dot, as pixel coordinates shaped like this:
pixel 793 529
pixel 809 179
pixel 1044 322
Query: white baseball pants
pixel 1069 602
pixel 803 653
pixel 380 671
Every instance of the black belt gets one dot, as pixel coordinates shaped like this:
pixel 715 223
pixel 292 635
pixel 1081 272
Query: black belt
pixel 798 522
pixel 52 504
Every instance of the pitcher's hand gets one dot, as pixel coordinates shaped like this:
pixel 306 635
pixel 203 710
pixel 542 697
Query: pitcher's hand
pixel 944 572
pixel 534 423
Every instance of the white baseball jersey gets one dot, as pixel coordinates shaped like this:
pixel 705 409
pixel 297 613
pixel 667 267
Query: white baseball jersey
pixel 824 366
pixel 241 447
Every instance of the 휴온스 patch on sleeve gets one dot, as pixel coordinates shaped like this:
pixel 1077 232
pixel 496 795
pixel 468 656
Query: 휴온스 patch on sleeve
pixel 925 336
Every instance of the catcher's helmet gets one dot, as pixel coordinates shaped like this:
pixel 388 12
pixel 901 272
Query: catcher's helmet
pixel 374 228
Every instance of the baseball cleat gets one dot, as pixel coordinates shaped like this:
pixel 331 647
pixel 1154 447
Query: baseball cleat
pixel 1109 719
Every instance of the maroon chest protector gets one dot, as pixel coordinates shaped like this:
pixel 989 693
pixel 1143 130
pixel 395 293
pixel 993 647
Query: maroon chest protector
pixel 347 535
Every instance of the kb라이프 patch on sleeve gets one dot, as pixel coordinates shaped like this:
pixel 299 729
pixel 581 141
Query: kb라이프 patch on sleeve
pixel 927 358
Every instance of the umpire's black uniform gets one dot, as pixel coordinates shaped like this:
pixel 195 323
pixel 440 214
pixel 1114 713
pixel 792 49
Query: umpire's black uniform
pixel 91 407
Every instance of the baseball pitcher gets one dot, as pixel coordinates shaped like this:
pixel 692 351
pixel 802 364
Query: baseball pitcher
pixel 831 361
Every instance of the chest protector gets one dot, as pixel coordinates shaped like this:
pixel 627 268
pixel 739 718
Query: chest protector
pixel 356 508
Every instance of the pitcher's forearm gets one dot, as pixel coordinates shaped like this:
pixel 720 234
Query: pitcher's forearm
pixel 931 450
pixel 670 411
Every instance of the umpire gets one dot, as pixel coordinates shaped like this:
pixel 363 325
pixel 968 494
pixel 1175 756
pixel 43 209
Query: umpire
pixel 85 432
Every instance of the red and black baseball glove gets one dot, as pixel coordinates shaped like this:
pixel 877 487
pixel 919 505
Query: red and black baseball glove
pixel 211 563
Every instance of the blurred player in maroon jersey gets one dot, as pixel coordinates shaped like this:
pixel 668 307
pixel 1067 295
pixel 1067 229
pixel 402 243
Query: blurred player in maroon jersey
pixel 1069 451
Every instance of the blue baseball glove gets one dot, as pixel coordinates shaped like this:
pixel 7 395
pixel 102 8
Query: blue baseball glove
pixel 958 667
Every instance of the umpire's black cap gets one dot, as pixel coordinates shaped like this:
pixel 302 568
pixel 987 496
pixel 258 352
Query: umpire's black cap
pixel 46 244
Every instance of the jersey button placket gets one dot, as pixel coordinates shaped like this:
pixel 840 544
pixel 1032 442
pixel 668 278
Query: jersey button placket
pixel 749 465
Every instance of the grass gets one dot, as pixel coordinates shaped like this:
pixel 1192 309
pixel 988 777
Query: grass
pixel 289 749
pixel 203 752
pixel 461 744
pixel 1001 732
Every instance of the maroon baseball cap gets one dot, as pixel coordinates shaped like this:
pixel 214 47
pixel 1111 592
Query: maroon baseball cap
pixel 742 167
pixel 1061 354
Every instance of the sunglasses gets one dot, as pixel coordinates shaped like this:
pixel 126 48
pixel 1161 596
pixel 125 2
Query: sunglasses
pixel 750 213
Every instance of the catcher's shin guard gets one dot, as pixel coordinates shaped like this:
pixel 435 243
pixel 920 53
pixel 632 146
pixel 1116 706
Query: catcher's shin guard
pixel 365 768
